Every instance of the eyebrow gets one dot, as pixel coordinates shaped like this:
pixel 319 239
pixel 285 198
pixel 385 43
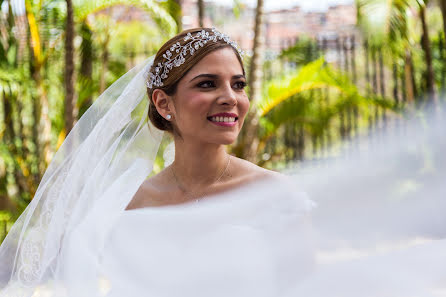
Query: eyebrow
pixel 215 76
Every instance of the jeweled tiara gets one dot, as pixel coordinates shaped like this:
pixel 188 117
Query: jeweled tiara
pixel 176 55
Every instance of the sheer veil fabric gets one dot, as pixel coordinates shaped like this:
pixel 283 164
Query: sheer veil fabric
pixel 109 147
pixel 372 224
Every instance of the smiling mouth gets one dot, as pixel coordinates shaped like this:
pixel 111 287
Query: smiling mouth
pixel 223 119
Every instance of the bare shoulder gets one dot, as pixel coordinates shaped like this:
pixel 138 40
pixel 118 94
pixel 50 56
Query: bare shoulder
pixel 152 192
pixel 252 172
pixel 269 178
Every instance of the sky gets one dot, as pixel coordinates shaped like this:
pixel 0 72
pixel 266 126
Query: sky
pixel 308 5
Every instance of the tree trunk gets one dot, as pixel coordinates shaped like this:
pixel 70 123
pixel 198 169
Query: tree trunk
pixel 69 69
pixel 382 84
pixel 175 11
pixel 426 46
pixel 342 129
pixel 395 82
pixel 104 65
pixel 328 131
pixel 403 87
pixel 382 79
pixel 367 78
pixel 42 125
pixel 200 12
pixel 442 50
pixel 367 67
pixel 443 13
pixel 354 79
pixel 251 140
pixel 321 102
pixel 314 146
pixel 345 48
pixel 409 77
pixel 346 45
pixel 301 143
pixel 42 122
pixel 375 84
pixel 86 71
pixel 353 58
pixel 11 137
pixel 339 52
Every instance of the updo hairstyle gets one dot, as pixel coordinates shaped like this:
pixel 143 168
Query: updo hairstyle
pixel 177 73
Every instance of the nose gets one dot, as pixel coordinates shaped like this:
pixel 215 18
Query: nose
pixel 227 96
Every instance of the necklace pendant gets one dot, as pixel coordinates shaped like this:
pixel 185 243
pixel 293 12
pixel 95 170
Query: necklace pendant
pixel 193 195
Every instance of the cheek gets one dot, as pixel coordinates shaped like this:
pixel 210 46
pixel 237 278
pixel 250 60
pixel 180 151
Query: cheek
pixel 196 105
pixel 244 105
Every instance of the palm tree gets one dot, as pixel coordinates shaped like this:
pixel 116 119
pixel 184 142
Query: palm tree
pixel 426 46
pixel 200 12
pixel 250 143
pixel 386 25
pixel 18 176
pixel 290 102
pixel 86 68
pixel 443 13
pixel 69 68
pixel 173 8
pixel 79 11
pixel 42 127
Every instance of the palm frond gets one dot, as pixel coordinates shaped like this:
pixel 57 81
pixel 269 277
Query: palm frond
pixel 83 8
pixel 309 77
pixel 294 98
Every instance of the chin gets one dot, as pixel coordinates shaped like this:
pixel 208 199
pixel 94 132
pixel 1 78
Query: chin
pixel 226 140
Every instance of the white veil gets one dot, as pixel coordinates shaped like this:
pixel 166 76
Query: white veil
pixel 380 224
pixel 110 144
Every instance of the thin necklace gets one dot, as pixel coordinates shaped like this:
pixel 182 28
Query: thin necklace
pixel 195 195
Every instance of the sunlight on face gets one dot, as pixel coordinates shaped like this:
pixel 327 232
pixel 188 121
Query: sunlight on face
pixel 210 102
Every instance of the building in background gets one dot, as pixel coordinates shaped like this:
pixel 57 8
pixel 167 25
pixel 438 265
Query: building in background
pixel 282 27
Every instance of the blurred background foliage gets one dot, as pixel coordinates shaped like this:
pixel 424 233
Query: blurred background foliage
pixel 306 106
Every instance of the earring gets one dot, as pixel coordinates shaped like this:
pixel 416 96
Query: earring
pixel 168 117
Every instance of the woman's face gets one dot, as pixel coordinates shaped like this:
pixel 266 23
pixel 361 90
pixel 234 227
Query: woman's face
pixel 210 103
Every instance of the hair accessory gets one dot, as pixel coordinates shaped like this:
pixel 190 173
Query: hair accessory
pixel 168 117
pixel 175 56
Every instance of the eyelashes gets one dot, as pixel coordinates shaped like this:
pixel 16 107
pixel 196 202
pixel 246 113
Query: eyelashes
pixel 208 84
pixel 241 85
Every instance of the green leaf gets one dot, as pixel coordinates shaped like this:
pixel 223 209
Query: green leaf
pixel 311 76
pixel 83 8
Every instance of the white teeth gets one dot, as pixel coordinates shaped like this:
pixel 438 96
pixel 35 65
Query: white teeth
pixel 223 119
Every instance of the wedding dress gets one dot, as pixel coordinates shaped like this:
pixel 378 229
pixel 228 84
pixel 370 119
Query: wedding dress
pixel 370 224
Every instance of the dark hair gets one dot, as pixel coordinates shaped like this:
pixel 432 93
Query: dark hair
pixel 177 73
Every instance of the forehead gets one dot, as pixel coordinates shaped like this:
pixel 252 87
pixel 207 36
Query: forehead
pixel 222 61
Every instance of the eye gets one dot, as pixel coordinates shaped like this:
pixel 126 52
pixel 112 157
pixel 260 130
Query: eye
pixel 240 85
pixel 206 84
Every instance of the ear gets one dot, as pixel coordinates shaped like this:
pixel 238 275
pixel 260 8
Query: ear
pixel 163 103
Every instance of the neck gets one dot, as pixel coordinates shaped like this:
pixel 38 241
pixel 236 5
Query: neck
pixel 199 164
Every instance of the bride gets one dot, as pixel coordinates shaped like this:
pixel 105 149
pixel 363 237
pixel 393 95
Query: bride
pixel 211 224
pixel 198 95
